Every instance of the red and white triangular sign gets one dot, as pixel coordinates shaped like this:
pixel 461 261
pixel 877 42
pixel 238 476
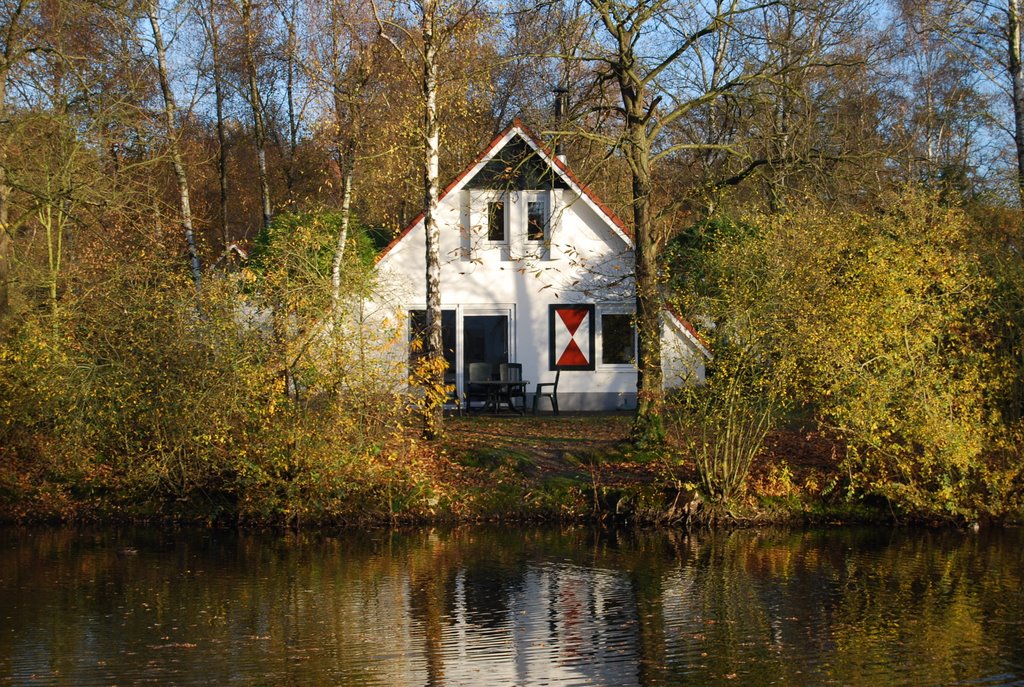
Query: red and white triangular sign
pixel 572 337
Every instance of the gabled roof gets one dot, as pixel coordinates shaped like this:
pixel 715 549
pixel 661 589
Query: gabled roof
pixel 683 326
pixel 517 128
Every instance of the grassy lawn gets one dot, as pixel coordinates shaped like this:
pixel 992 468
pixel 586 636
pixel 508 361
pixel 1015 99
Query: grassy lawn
pixel 580 463
pixel 569 444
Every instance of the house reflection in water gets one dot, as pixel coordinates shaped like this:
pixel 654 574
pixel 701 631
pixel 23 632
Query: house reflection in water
pixel 525 624
pixel 508 606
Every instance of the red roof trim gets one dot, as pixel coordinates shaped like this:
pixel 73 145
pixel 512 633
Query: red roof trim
pixel 564 168
pixel 479 158
pixel 690 329
pixel 551 159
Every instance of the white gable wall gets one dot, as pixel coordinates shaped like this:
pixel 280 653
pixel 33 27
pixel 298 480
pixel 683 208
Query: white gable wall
pixel 586 260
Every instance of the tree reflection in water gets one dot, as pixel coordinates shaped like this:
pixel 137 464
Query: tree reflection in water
pixel 512 607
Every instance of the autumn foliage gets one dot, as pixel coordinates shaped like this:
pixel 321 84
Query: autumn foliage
pixel 829 191
pixel 885 328
pixel 237 402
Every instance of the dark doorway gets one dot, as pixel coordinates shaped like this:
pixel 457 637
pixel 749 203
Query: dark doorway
pixel 417 332
pixel 485 339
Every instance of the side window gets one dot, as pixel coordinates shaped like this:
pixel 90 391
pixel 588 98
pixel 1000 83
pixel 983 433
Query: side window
pixel 618 339
pixel 496 221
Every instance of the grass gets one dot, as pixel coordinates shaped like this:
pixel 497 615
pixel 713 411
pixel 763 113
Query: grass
pixel 546 446
pixel 583 465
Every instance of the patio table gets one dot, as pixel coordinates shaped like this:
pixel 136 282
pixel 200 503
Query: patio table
pixel 500 389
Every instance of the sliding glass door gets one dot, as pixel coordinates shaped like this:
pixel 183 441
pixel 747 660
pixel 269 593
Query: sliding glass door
pixel 449 335
pixel 477 336
pixel 485 339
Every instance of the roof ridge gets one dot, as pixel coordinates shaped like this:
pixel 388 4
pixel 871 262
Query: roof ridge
pixel 548 155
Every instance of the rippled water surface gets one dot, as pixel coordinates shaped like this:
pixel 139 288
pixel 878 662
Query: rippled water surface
pixel 479 606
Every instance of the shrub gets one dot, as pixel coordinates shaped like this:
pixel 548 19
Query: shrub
pixel 724 421
pixel 148 397
pixel 887 323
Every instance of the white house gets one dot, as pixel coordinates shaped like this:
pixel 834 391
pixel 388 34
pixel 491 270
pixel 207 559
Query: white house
pixel 534 270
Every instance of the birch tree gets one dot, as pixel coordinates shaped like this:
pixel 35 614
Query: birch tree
pixel 944 108
pixel 297 95
pixel 209 16
pixel 439 23
pixel 171 127
pixel 343 71
pixel 988 35
pixel 431 142
pixel 254 99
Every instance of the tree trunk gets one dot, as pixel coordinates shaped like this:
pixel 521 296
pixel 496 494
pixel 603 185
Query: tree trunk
pixel 1013 34
pixel 5 235
pixel 6 240
pixel 170 109
pixel 434 418
pixel 346 110
pixel 346 163
pixel 53 218
pixel 648 426
pixel 293 126
pixel 256 104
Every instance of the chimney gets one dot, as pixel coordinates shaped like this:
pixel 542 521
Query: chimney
pixel 561 107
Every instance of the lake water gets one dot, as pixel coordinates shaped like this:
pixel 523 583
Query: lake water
pixel 510 606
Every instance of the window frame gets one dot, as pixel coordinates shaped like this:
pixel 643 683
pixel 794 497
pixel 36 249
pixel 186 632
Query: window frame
pixel 621 309
pixel 542 198
pixel 478 235
pixel 498 198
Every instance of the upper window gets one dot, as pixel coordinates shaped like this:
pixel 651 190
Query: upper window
pixel 536 220
pixel 509 219
pixel 536 211
pixel 496 221
pixel 618 339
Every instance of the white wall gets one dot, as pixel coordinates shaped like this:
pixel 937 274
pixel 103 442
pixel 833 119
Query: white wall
pixel 587 261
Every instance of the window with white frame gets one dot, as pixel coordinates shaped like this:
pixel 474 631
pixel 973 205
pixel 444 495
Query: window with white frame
pixel 536 220
pixel 538 216
pixel 496 221
pixel 514 218
pixel 489 213
pixel 618 337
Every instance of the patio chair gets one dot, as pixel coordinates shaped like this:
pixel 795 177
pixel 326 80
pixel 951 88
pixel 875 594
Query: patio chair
pixel 478 372
pixel 553 394
pixel 513 372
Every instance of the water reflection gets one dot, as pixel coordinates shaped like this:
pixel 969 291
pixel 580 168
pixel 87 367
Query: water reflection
pixel 477 606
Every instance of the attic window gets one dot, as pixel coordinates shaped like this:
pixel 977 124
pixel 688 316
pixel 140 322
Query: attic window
pixel 536 219
pixel 496 221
